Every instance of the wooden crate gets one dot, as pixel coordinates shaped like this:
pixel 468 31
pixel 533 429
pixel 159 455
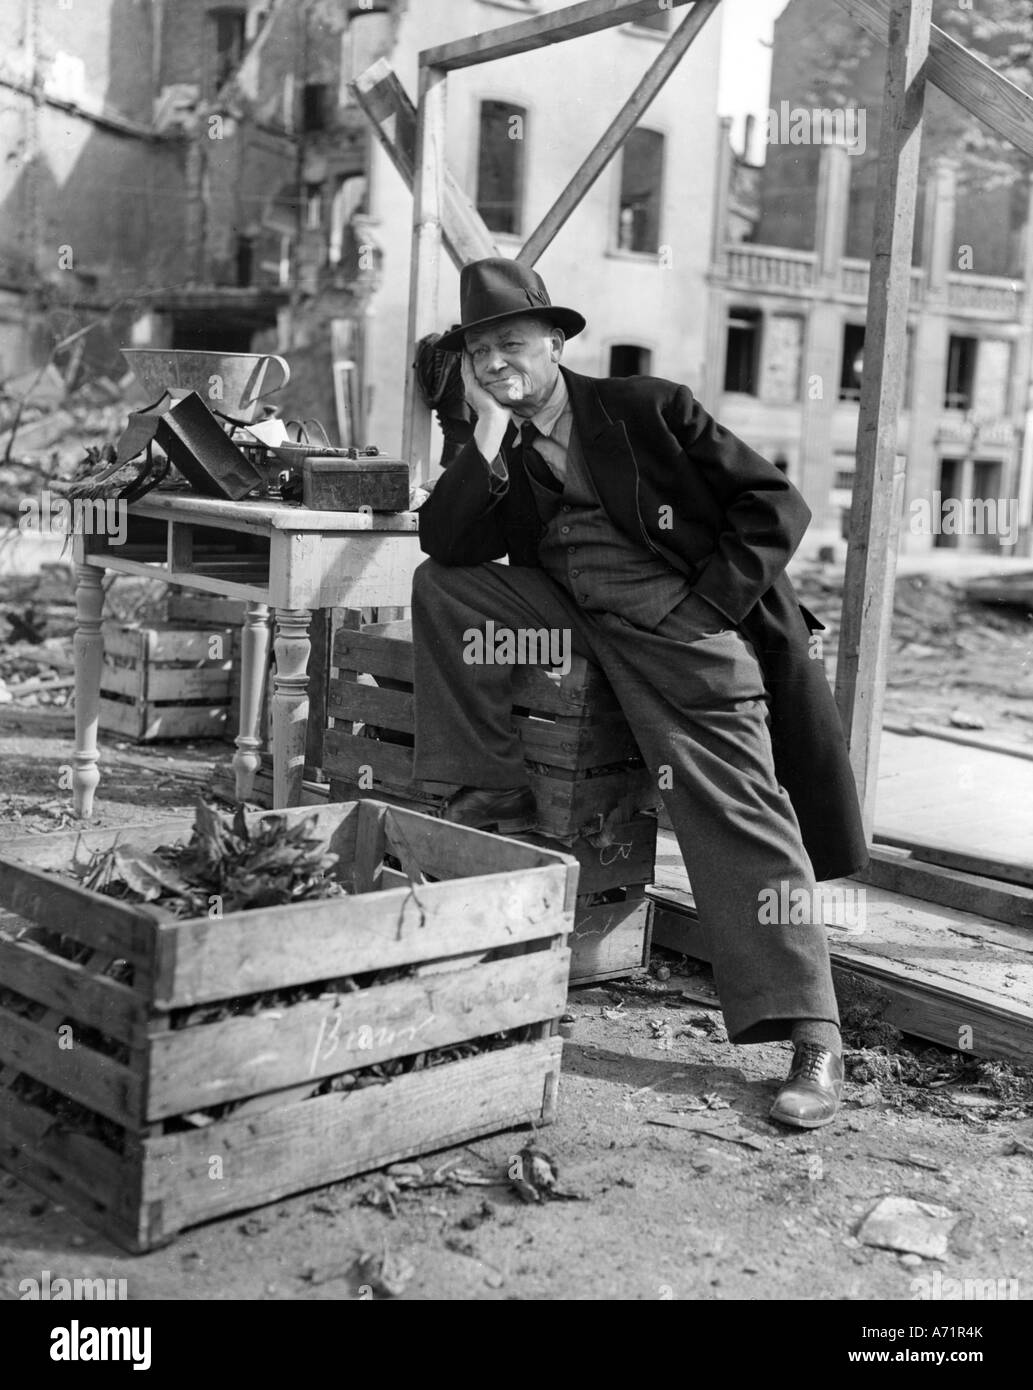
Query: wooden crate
pixel 582 761
pixel 187 608
pixel 155 1119
pixel 161 681
pixel 610 937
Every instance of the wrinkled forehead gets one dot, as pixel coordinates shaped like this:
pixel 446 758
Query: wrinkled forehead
pixel 525 327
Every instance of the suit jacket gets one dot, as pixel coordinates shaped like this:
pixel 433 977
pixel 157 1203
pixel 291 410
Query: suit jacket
pixel 671 477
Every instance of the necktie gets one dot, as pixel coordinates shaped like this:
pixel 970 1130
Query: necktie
pixel 534 464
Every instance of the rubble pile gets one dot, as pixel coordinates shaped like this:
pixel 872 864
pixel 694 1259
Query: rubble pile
pixel 952 659
pixel 37 627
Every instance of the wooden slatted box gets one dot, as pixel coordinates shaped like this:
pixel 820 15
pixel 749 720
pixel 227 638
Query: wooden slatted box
pixel 613 917
pixel 581 757
pixel 187 608
pixel 161 1114
pixel 165 681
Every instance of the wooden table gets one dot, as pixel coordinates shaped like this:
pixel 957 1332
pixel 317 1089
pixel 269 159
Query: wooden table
pixel 272 555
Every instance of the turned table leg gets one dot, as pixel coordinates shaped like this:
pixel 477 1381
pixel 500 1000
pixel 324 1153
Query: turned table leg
pixel 291 647
pixel 89 656
pixel 254 661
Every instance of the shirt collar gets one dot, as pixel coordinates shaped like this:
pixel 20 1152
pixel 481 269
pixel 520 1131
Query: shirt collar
pixel 548 416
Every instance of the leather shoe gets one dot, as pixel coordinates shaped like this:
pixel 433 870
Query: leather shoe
pixel 809 1097
pixel 506 810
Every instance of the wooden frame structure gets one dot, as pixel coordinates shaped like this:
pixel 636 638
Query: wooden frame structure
pixel 444 218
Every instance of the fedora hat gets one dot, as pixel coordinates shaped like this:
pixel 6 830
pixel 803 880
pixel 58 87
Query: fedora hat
pixel 496 289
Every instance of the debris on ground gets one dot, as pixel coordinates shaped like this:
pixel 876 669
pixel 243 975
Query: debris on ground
pixel 534 1175
pixel 948 650
pixel 962 719
pixel 916 1228
pixel 728 1129
pixel 384 1273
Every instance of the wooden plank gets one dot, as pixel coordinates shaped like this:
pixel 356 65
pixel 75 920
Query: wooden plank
pixel 386 102
pixel 385 650
pixel 125 642
pixel 179 685
pixel 374 654
pixel 139 645
pixel 581 805
pixel 318 680
pixel 194 1068
pixel 964 76
pixel 47 1154
pixel 617 132
pixel 78 1071
pixel 878 484
pixel 174 685
pixel 336 822
pixel 182 721
pixel 442 854
pixel 913 1004
pixel 578 745
pixel 369 847
pixel 71 989
pixel 331 1137
pixel 349 756
pixel 976 799
pixel 627 857
pixel 556 26
pixel 204 610
pixel 262 949
pixel 371 704
pixel 119 929
pixel 424 318
pixel 933 883
pixel 118 717
pixel 931 952
pixel 610 939
pixel 970 739
pixel 567 804
pixel 954 858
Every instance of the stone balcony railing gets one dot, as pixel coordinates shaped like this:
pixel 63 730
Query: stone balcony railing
pixel 779 270
pixel 991 295
pixel 771 267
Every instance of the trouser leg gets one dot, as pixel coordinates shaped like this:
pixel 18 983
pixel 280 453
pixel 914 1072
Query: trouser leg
pixel 464 730
pixel 697 707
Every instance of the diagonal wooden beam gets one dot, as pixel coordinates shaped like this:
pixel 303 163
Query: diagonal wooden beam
pixel 571 22
pixel 972 83
pixel 878 484
pixel 618 130
pixel 385 101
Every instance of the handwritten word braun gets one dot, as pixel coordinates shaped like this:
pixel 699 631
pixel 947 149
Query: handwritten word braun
pixel 332 1038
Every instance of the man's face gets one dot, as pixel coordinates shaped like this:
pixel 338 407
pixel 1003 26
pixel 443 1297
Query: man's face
pixel 517 362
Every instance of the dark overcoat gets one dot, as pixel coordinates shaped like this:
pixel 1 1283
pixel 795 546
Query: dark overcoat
pixel 669 475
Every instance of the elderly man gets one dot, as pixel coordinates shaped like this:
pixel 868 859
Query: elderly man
pixel 657 541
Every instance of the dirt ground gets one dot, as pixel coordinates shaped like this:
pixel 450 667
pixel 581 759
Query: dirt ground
pixel 655 1211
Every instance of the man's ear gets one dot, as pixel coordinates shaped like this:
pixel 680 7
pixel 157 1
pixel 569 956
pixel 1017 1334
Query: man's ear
pixel 558 339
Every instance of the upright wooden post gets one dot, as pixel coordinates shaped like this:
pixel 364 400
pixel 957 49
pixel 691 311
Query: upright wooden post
pixel 874 513
pixel 426 255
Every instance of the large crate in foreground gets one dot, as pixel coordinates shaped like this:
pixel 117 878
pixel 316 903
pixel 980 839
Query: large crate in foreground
pixel 581 757
pixel 158 1072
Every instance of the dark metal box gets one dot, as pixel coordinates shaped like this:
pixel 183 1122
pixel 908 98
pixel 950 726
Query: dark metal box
pixel 349 485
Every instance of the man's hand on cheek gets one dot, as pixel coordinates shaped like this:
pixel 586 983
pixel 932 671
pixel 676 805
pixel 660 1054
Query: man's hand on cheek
pixel 492 417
